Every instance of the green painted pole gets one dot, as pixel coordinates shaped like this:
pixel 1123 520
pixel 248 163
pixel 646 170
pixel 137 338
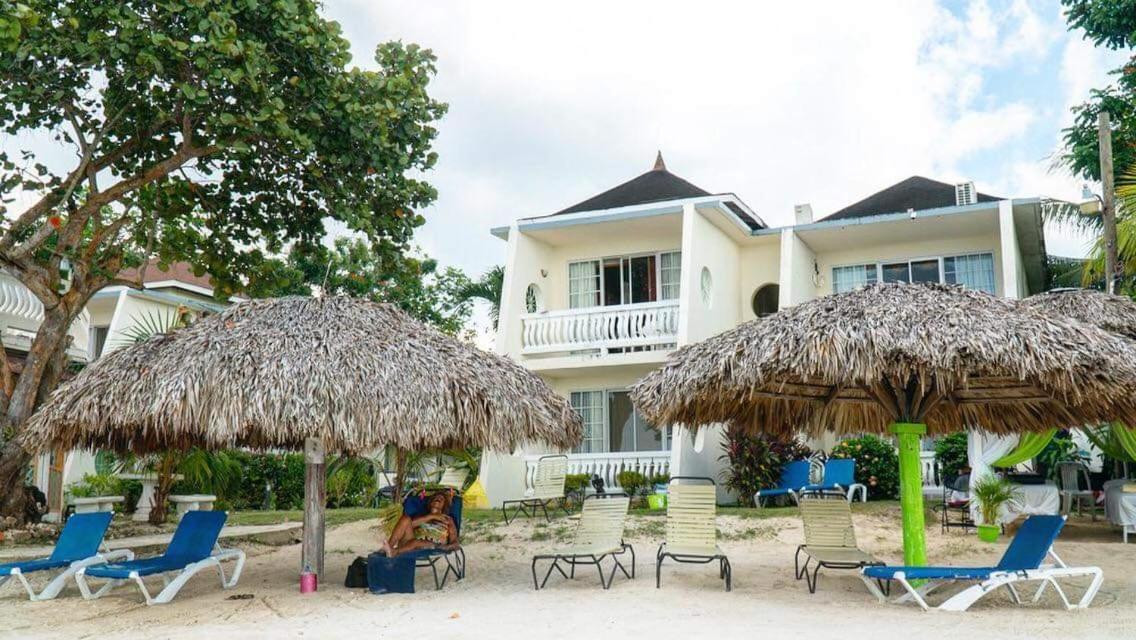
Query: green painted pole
pixel 911 491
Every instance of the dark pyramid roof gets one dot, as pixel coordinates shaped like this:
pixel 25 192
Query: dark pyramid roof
pixel 656 185
pixel 916 193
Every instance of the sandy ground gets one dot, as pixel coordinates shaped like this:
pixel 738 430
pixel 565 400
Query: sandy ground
pixel 497 599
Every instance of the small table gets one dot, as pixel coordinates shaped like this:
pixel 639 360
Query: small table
pixel 96 504
pixel 146 500
pixel 193 502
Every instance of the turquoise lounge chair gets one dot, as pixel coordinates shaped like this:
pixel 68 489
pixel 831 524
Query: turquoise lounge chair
pixel 1022 562
pixel 193 548
pixel 77 547
pixel 794 478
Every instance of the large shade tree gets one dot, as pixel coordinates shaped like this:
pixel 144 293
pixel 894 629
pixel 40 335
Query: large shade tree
pixel 211 131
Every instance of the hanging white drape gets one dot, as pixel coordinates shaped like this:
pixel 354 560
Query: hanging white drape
pixel 982 449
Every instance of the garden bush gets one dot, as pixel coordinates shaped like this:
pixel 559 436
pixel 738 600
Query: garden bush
pixel 756 462
pixel 576 483
pixel 283 472
pixel 950 454
pixel 633 483
pixel 877 464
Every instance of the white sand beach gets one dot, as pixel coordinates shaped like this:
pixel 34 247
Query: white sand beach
pixel 497 599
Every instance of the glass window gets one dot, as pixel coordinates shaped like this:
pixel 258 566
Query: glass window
pixel 973 271
pixel 925 271
pixel 590 406
pixel 640 281
pixel 670 270
pixel 854 277
pixel 896 272
pixel 584 284
pixel 630 431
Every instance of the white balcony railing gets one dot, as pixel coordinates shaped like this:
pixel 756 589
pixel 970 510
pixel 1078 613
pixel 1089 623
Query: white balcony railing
pixel 608 465
pixel 21 314
pixel 631 325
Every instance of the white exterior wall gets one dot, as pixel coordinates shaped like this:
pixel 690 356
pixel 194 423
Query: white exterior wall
pixel 758 265
pixel 797 259
pixel 1010 260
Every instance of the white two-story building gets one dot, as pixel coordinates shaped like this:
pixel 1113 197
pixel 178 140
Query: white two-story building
pixel 598 294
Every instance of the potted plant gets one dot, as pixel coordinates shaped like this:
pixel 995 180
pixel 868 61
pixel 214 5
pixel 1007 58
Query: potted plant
pixel 991 492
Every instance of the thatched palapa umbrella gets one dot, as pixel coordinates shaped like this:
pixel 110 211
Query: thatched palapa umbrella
pixel 1113 313
pixel 335 373
pixel 905 359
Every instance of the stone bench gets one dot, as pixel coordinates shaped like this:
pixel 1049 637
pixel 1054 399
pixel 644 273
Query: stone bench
pixel 96 504
pixel 194 502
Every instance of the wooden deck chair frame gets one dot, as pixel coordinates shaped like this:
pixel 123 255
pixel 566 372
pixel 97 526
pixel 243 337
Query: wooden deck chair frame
pixel 606 520
pixel 548 487
pixel 683 530
pixel 834 535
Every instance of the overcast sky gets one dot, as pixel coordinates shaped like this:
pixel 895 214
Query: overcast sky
pixel 778 102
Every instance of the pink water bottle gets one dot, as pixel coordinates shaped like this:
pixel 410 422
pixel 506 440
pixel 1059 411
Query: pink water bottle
pixel 308 581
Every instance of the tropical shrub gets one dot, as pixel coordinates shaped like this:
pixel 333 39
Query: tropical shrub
pixel 1060 449
pixel 950 454
pixel 877 464
pixel 756 462
pixel 633 483
pixel 576 483
pixel 269 481
pixel 96 485
pixel 991 492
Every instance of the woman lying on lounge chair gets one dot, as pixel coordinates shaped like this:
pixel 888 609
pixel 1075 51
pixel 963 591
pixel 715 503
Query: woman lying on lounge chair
pixel 434 530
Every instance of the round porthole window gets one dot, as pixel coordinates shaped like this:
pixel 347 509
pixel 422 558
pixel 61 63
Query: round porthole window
pixel 533 300
pixel 765 300
pixel 706 284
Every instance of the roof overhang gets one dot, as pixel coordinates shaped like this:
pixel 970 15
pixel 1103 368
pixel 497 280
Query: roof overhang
pixel 721 202
pixel 884 217
pixel 160 296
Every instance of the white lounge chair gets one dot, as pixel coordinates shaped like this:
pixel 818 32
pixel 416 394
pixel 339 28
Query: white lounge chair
pixel 1022 562
pixel 598 536
pixel 692 530
pixel 548 487
pixel 193 548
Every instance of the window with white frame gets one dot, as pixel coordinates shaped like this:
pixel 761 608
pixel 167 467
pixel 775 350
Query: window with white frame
pixel 973 271
pixel 584 284
pixel 670 268
pixel 590 406
pixel 620 280
pixel 852 277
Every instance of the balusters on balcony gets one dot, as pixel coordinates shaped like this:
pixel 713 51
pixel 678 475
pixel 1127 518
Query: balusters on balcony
pixel 600 328
pixel 608 465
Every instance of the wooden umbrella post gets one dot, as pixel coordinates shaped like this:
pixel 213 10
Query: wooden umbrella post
pixel 399 474
pixel 315 499
pixel 911 491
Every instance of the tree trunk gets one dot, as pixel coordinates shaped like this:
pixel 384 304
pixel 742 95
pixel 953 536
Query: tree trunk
pixel 167 464
pixel 315 501
pixel 43 363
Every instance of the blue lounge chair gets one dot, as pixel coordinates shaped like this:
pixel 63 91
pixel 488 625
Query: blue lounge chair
pixel 415 505
pixel 840 477
pixel 794 478
pixel 1022 562
pixel 193 548
pixel 77 547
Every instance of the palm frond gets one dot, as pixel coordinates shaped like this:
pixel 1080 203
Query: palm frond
pixel 147 325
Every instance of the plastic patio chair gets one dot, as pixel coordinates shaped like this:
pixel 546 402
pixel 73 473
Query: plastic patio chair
pixel 77 547
pixel 1075 487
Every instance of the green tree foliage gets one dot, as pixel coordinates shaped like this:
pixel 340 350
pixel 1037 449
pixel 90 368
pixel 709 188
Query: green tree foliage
pixel 1089 272
pixel 215 132
pixel 356 268
pixel 950 453
pixel 1111 23
pixel 488 288
pixel 877 464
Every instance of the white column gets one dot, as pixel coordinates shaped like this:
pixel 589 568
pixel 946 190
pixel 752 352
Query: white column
pixel 688 287
pixel 785 278
pixel 1011 255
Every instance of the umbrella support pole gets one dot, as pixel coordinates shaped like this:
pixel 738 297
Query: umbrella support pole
pixel 315 500
pixel 908 436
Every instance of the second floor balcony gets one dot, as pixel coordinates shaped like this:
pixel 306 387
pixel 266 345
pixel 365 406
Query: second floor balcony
pixel 618 328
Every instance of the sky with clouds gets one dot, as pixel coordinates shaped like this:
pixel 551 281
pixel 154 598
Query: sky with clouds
pixel 781 103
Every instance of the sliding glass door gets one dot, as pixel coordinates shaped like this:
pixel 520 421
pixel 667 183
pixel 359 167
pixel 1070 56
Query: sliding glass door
pixel 623 280
pixel 611 424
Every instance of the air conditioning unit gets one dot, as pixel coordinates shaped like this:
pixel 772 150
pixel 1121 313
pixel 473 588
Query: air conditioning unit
pixel 965 193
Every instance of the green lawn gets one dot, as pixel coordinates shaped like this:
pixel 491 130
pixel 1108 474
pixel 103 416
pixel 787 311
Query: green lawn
pixel 344 516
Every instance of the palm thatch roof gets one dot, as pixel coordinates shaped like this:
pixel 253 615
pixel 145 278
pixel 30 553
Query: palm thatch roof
pixel 1113 313
pixel 937 354
pixel 270 373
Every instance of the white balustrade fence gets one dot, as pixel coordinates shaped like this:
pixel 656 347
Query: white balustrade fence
pixel 631 325
pixel 608 465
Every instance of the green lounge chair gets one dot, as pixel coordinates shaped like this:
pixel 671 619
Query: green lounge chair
pixel 598 536
pixel 692 530
pixel 830 539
